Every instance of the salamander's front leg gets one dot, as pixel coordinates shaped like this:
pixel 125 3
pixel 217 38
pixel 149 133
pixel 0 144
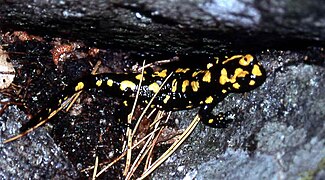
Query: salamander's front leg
pixel 216 121
pixel 122 113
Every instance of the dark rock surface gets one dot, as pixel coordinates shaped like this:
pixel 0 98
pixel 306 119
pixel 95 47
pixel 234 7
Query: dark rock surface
pixel 34 157
pixel 204 26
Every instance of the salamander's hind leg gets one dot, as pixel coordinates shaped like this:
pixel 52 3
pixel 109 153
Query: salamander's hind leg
pixel 122 113
pixel 216 121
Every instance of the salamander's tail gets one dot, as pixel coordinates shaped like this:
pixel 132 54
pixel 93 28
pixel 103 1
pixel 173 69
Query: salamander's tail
pixel 108 82
pixel 56 103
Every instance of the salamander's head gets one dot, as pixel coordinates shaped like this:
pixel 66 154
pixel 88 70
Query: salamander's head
pixel 241 73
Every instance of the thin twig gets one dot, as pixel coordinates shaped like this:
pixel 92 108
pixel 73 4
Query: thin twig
pixel 173 148
pixel 129 131
pixel 95 169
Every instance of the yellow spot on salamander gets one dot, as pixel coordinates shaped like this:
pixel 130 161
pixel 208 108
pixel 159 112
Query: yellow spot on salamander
pixel 127 84
pixel 79 86
pixel 174 85
pixel 166 99
pixel 217 60
pixel 224 91
pixel 210 121
pixel 181 70
pixel 209 65
pixel 65 98
pixel 244 61
pixel 99 82
pixel 251 82
pixel 184 85
pixel 195 86
pixel 125 103
pixel 139 76
pixel 208 100
pixel 236 86
pixel 60 101
pixel 49 110
pixel 207 77
pixel 110 83
pixel 256 70
pixel 223 77
pixel 239 72
pixel 197 72
pixel 162 73
pixel 154 87
pixel 232 58
pixel 152 106
pixel 189 106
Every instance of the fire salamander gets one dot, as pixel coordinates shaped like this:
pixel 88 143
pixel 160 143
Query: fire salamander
pixel 186 88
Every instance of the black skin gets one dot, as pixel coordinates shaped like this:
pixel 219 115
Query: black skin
pixel 186 88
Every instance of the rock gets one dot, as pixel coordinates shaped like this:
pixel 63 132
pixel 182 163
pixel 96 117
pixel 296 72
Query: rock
pixel 173 26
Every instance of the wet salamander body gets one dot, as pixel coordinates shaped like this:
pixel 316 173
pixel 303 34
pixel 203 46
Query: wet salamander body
pixel 186 87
